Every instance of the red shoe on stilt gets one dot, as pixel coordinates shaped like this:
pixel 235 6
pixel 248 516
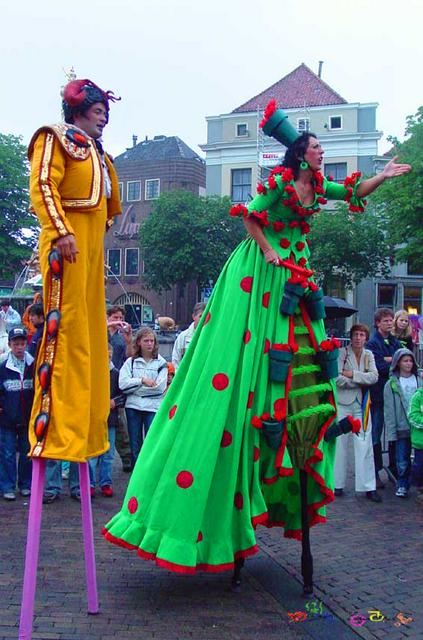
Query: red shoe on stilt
pixel 107 491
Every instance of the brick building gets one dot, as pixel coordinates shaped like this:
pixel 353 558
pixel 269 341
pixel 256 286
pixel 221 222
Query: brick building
pixel 146 170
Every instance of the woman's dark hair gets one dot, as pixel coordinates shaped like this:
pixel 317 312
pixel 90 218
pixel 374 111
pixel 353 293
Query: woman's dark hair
pixel 92 95
pixel 295 152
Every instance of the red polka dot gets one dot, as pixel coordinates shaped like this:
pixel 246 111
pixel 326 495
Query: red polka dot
pixel 172 411
pixel 246 284
pixel 302 262
pixel 132 505
pixel 207 318
pixel 220 381
pixel 300 246
pixel 293 224
pixel 238 500
pixel 250 399
pixel 247 336
pixel 278 226
pixel 199 537
pixel 266 346
pixel 184 479
pixel 256 454
pixel 285 243
pixel 226 439
pixel 279 404
pixel 265 299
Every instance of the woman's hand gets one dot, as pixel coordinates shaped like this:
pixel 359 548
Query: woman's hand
pixel 271 256
pixel 393 169
pixel 148 382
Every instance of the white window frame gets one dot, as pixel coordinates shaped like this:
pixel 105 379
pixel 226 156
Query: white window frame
pixel 335 128
pixel 127 191
pixel 146 188
pixel 109 273
pixel 132 275
pixel 303 129
pixel 120 191
pixel 241 135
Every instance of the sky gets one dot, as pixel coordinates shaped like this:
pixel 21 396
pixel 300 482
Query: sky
pixel 174 62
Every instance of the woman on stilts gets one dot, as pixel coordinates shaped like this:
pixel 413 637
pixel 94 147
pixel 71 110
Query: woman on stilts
pixel 239 439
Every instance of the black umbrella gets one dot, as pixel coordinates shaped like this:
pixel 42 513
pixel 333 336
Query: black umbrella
pixel 337 308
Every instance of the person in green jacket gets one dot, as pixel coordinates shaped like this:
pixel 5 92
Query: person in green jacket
pixel 415 417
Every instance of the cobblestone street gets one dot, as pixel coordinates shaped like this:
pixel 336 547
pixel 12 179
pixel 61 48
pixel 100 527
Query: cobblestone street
pixel 367 558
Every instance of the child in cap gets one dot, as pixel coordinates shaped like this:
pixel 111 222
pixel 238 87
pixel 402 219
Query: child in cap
pixel 16 397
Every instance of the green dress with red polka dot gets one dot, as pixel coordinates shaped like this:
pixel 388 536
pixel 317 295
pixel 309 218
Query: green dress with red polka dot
pixel 207 473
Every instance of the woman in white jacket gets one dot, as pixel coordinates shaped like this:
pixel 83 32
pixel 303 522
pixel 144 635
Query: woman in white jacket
pixel 357 371
pixel 143 379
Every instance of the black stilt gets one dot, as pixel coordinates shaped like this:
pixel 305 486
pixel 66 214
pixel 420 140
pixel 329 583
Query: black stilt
pixel 306 557
pixel 236 578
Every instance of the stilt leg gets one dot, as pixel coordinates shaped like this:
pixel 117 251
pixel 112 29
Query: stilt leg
pixel 32 549
pixel 87 530
pixel 306 557
pixel 236 578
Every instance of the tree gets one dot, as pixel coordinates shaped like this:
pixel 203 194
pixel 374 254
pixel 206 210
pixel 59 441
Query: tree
pixel 15 244
pixel 401 200
pixel 187 238
pixel 348 247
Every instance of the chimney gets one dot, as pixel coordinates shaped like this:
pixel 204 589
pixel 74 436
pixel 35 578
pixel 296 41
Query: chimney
pixel 134 140
pixel 319 73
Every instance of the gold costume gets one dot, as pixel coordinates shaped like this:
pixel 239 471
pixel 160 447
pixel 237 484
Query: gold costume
pixel 71 404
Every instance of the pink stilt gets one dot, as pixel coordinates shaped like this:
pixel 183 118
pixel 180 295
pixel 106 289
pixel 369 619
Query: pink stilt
pixel 32 549
pixel 87 530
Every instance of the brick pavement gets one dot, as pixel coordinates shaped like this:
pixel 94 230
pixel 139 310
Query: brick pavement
pixel 366 557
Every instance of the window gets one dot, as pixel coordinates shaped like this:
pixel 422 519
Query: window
pixel 386 295
pixel 121 191
pixel 241 130
pixel 303 124
pixel 131 262
pixel 113 260
pixel 133 190
pixel 335 122
pixel 337 170
pixel 413 300
pixel 152 189
pixel 240 185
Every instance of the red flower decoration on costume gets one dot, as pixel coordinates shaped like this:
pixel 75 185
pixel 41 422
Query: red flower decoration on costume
pixel 247 336
pixel 293 224
pixel 322 200
pixel 355 424
pixel 265 416
pixel 172 411
pixel 250 399
pixel 256 422
pixel 272 182
pixel 268 112
pixel 261 189
pixel 330 345
pixel 199 537
pixel 207 318
pixel 265 299
pixel 349 183
pixel 302 261
pixel 256 454
pixel 300 246
pixel 261 216
pixel 238 210
pixel 266 346
pixel 285 243
pixel 313 286
pixel 305 227
pixel 278 226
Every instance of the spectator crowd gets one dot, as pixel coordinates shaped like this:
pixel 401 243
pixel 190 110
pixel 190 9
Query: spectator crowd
pixel 378 383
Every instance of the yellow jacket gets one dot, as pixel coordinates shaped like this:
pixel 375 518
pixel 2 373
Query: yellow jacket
pixel 67 175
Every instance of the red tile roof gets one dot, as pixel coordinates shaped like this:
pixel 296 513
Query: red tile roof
pixel 300 88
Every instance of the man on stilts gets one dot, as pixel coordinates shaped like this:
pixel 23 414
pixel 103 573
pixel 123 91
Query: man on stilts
pixel 74 193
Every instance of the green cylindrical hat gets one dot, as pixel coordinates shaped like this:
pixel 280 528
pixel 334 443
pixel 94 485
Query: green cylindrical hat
pixel 275 123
